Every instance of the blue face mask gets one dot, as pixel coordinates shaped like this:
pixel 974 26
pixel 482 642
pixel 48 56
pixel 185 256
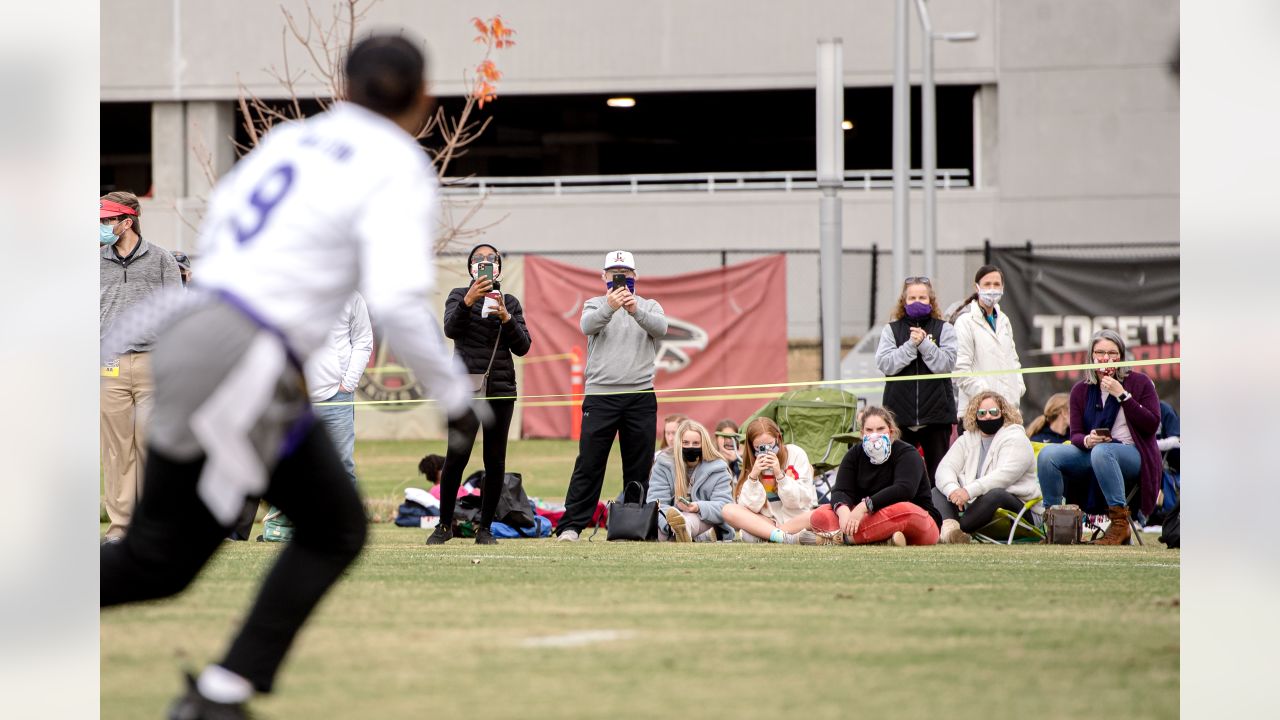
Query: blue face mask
pixel 106 235
pixel 631 286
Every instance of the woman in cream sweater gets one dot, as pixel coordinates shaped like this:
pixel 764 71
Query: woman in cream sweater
pixel 991 466
pixel 774 495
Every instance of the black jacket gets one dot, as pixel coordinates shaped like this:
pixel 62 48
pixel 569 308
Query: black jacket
pixel 901 478
pixel 924 402
pixel 473 338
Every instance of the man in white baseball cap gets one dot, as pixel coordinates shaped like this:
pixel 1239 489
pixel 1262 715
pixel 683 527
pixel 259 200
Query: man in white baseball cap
pixel 621 350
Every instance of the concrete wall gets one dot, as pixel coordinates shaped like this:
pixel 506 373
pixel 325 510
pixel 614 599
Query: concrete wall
pixel 1078 116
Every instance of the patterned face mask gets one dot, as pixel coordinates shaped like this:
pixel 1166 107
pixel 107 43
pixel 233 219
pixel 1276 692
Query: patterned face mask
pixel 877 448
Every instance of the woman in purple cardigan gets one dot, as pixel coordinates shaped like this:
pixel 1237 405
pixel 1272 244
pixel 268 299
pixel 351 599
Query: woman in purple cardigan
pixel 1114 417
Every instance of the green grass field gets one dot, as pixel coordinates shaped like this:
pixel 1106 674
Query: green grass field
pixel 721 630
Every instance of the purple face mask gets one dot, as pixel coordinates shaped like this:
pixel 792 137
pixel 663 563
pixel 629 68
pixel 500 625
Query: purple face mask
pixel 917 310
pixel 631 286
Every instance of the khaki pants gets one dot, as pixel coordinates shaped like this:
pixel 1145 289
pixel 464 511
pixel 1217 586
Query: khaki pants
pixel 125 406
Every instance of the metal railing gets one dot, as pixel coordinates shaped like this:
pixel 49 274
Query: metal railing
pixel 712 182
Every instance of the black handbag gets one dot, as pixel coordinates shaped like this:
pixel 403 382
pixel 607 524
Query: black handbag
pixel 637 521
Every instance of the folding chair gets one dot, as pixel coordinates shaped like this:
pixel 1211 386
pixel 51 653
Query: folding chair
pixel 1135 528
pixel 1013 528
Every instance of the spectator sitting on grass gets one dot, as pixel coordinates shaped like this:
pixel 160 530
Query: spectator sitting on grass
pixel 1054 424
pixel 991 466
pixel 727 438
pixel 669 424
pixel 882 492
pixel 691 488
pixel 774 496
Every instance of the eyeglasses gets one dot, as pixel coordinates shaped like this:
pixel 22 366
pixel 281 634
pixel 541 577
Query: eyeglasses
pixel 491 257
pixel 992 413
pixel 918 279
pixel 1106 353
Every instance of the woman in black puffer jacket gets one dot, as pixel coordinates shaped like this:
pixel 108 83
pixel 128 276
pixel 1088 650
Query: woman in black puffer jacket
pixel 485 333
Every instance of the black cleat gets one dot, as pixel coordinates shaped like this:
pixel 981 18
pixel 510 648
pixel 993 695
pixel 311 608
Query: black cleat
pixel 442 535
pixel 194 706
pixel 484 537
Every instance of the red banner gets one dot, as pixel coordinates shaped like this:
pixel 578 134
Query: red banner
pixel 726 326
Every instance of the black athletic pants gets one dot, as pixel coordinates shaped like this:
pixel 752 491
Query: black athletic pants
pixel 934 439
pixel 462 438
pixel 980 511
pixel 634 419
pixel 172 535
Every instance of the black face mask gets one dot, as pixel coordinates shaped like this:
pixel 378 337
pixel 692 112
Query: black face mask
pixel 990 426
pixel 691 455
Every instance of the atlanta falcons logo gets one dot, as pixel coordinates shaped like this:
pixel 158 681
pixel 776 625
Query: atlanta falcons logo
pixel 682 340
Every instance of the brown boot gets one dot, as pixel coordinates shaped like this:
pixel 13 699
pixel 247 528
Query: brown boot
pixel 1118 532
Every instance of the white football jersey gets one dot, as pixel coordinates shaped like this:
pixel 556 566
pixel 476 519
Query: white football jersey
pixel 341 202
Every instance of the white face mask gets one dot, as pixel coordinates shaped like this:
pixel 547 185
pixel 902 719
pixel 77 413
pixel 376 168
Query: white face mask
pixel 877 447
pixel 990 297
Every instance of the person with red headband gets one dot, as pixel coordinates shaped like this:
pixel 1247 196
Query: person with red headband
pixel 340 202
pixel 130 271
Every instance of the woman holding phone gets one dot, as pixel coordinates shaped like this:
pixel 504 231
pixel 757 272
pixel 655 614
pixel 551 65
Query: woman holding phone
pixel 774 496
pixel 1115 413
pixel 487 329
pixel 691 485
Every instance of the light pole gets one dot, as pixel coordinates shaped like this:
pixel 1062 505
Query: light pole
pixel 901 140
pixel 830 165
pixel 929 135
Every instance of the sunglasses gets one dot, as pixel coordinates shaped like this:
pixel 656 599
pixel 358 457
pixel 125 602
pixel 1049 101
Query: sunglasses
pixel 1106 353
pixel 984 413
pixel 918 279
pixel 491 257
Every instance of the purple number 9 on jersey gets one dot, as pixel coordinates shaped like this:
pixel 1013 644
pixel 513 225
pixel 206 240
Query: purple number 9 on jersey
pixel 264 198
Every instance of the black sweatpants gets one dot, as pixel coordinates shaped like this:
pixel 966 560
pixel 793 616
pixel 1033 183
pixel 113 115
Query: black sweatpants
pixel 462 438
pixel 173 535
pixel 634 419
pixel 934 439
pixel 980 511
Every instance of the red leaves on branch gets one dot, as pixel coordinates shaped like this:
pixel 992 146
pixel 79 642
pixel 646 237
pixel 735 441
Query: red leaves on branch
pixel 496 35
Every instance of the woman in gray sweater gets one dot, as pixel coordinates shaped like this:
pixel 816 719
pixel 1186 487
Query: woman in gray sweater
pixel 691 484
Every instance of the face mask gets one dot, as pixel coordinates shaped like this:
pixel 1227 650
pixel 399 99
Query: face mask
pixel 691 455
pixel 990 297
pixel 917 310
pixel 877 448
pixel 631 286
pixel 106 234
pixel 990 426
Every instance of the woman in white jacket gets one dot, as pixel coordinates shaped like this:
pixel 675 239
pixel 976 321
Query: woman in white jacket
pixel 992 466
pixel 984 341
pixel 774 496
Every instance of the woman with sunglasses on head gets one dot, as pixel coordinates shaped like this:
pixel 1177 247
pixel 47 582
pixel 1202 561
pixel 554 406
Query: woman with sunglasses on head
pixel 691 485
pixel 487 328
pixel 984 342
pixel 919 342
pixel 881 493
pixel 774 495
pixel 1115 414
pixel 991 466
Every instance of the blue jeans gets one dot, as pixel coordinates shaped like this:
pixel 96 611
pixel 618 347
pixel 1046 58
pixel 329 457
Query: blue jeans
pixel 1109 464
pixel 340 422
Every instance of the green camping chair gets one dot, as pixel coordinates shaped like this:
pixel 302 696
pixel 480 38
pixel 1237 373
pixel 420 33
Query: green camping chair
pixel 813 418
pixel 1007 528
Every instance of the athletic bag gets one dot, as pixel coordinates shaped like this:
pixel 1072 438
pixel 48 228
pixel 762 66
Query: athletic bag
pixel 1062 524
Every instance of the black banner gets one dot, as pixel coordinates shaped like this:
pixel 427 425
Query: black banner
pixel 1056 300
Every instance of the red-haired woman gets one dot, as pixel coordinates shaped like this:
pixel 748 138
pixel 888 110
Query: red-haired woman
pixel 774 495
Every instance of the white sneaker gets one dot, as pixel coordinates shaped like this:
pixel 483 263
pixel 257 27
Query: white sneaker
pixel 898 539
pixel 568 536
pixel 814 537
pixel 679 531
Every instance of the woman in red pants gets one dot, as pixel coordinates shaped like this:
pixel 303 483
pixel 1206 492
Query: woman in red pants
pixel 882 492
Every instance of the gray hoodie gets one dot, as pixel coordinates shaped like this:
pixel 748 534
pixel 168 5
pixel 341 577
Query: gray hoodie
pixel 621 347
pixel 711 486
pixel 122 282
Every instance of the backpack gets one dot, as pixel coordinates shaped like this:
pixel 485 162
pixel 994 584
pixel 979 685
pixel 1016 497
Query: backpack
pixel 276 527
pixel 1062 524
pixel 1171 532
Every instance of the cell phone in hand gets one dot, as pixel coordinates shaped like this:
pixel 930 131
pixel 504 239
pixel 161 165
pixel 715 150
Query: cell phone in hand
pixel 684 499
pixel 619 281
pixel 485 270
pixel 764 450
pixel 1102 432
